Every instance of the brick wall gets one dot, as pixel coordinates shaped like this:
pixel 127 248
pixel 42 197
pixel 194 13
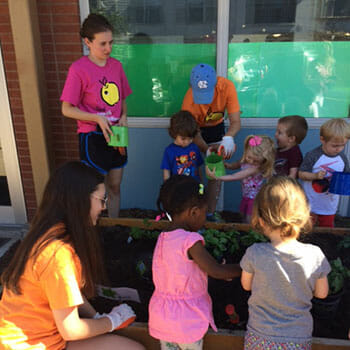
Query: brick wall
pixel 16 108
pixel 59 22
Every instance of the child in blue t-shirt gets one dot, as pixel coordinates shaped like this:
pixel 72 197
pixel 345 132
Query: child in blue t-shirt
pixel 182 157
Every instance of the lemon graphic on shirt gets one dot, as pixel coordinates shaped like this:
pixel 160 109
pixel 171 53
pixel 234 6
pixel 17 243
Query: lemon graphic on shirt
pixel 109 92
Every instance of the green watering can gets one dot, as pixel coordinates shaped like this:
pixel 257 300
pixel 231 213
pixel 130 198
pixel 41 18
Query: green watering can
pixel 120 137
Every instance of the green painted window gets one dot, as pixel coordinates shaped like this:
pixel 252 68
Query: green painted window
pixel 284 56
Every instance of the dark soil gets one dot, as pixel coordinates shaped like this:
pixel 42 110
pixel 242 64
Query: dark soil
pixel 121 259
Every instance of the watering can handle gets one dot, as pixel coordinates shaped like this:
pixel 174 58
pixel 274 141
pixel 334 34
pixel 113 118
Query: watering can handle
pixel 221 151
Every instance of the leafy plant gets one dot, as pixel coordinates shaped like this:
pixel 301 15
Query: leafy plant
pixel 108 292
pixel 252 237
pixel 140 233
pixel 220 242
pixel 344 243
pixel 337 276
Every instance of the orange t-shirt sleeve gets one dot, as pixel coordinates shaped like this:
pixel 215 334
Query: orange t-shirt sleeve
pixel 232 105
pixel 59 279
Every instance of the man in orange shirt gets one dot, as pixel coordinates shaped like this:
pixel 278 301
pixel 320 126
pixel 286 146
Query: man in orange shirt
pixel 207 99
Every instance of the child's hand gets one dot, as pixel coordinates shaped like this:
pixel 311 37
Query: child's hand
pixel 320 175
pixel 223 262
pixel 210 173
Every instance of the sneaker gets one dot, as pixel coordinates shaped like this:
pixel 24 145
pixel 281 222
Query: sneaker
pixel 215 217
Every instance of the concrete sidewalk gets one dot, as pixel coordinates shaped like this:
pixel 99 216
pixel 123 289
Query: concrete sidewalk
pixel 11 234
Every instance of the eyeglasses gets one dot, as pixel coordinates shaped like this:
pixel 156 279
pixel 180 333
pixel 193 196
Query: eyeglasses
pixel 103 200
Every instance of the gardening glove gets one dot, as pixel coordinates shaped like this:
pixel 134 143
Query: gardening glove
pixel 227 147
pixel 121 316
pixel 98 315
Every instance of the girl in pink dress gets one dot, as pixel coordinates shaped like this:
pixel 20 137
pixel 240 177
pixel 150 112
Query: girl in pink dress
pixel 180 310
pixel 256 165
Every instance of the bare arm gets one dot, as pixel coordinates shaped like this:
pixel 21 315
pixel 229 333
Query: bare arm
pixel 72 327
pixel 200 174
pixel 166 174
pixel 240 175
pixel 293 173
pixel 70 111
pixel 199 141
pixel 86 309
pixel 233 165
pixel 235 124
pixel 246 280
pixel 123 118
pixel 209 265
pixel 307 176
pixel 321 288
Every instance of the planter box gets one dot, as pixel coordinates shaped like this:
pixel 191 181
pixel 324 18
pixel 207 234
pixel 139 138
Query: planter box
pixel 222 340
pixel 159 225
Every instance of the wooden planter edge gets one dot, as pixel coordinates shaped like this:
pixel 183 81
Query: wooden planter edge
pixel 160 225
pixel 223 339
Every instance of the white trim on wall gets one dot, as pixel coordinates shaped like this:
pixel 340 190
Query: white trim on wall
pixel 84 9
pixel 246 123
pixel 222 37
pixel 84 12
pixel 16 213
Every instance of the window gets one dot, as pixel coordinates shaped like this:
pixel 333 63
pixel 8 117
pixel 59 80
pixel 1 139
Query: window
pixel 290 57
pixel 284 56
pixel 158 43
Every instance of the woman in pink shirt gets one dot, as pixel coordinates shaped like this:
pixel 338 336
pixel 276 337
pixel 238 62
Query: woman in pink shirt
pixel 94 94
pixel 180 310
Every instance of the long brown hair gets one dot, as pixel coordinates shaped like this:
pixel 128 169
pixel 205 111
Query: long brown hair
pixel 64 214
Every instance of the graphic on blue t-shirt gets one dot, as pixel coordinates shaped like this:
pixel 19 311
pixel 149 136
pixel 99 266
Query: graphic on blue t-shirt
pixel 185 163
pixel 182 160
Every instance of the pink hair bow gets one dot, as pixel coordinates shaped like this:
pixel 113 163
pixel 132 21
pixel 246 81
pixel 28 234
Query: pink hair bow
pixel 159 217
pixel 255 141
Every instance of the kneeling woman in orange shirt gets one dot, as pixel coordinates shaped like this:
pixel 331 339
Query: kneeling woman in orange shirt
pixel 54 270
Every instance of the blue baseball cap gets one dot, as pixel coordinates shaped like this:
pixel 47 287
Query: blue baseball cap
pixel 203 81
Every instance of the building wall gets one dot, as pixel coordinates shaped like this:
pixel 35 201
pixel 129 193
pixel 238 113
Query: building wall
pixel 14 92
pixel 143 176
pixel 59 23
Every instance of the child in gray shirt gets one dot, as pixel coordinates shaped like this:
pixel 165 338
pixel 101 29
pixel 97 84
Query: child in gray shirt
pixel 282 275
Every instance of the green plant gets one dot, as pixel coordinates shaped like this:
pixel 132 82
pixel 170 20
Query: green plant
pixel 220 242
pixel 252 237
pixel 337 276
pixel 140 233
pixel 344 243
pixel 109 293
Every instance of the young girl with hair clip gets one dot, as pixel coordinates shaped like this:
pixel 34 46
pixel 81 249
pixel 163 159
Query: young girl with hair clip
pixel 180 308
pixel 54 270
pixel 256 165
pixel 284 274
pixel 95 95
